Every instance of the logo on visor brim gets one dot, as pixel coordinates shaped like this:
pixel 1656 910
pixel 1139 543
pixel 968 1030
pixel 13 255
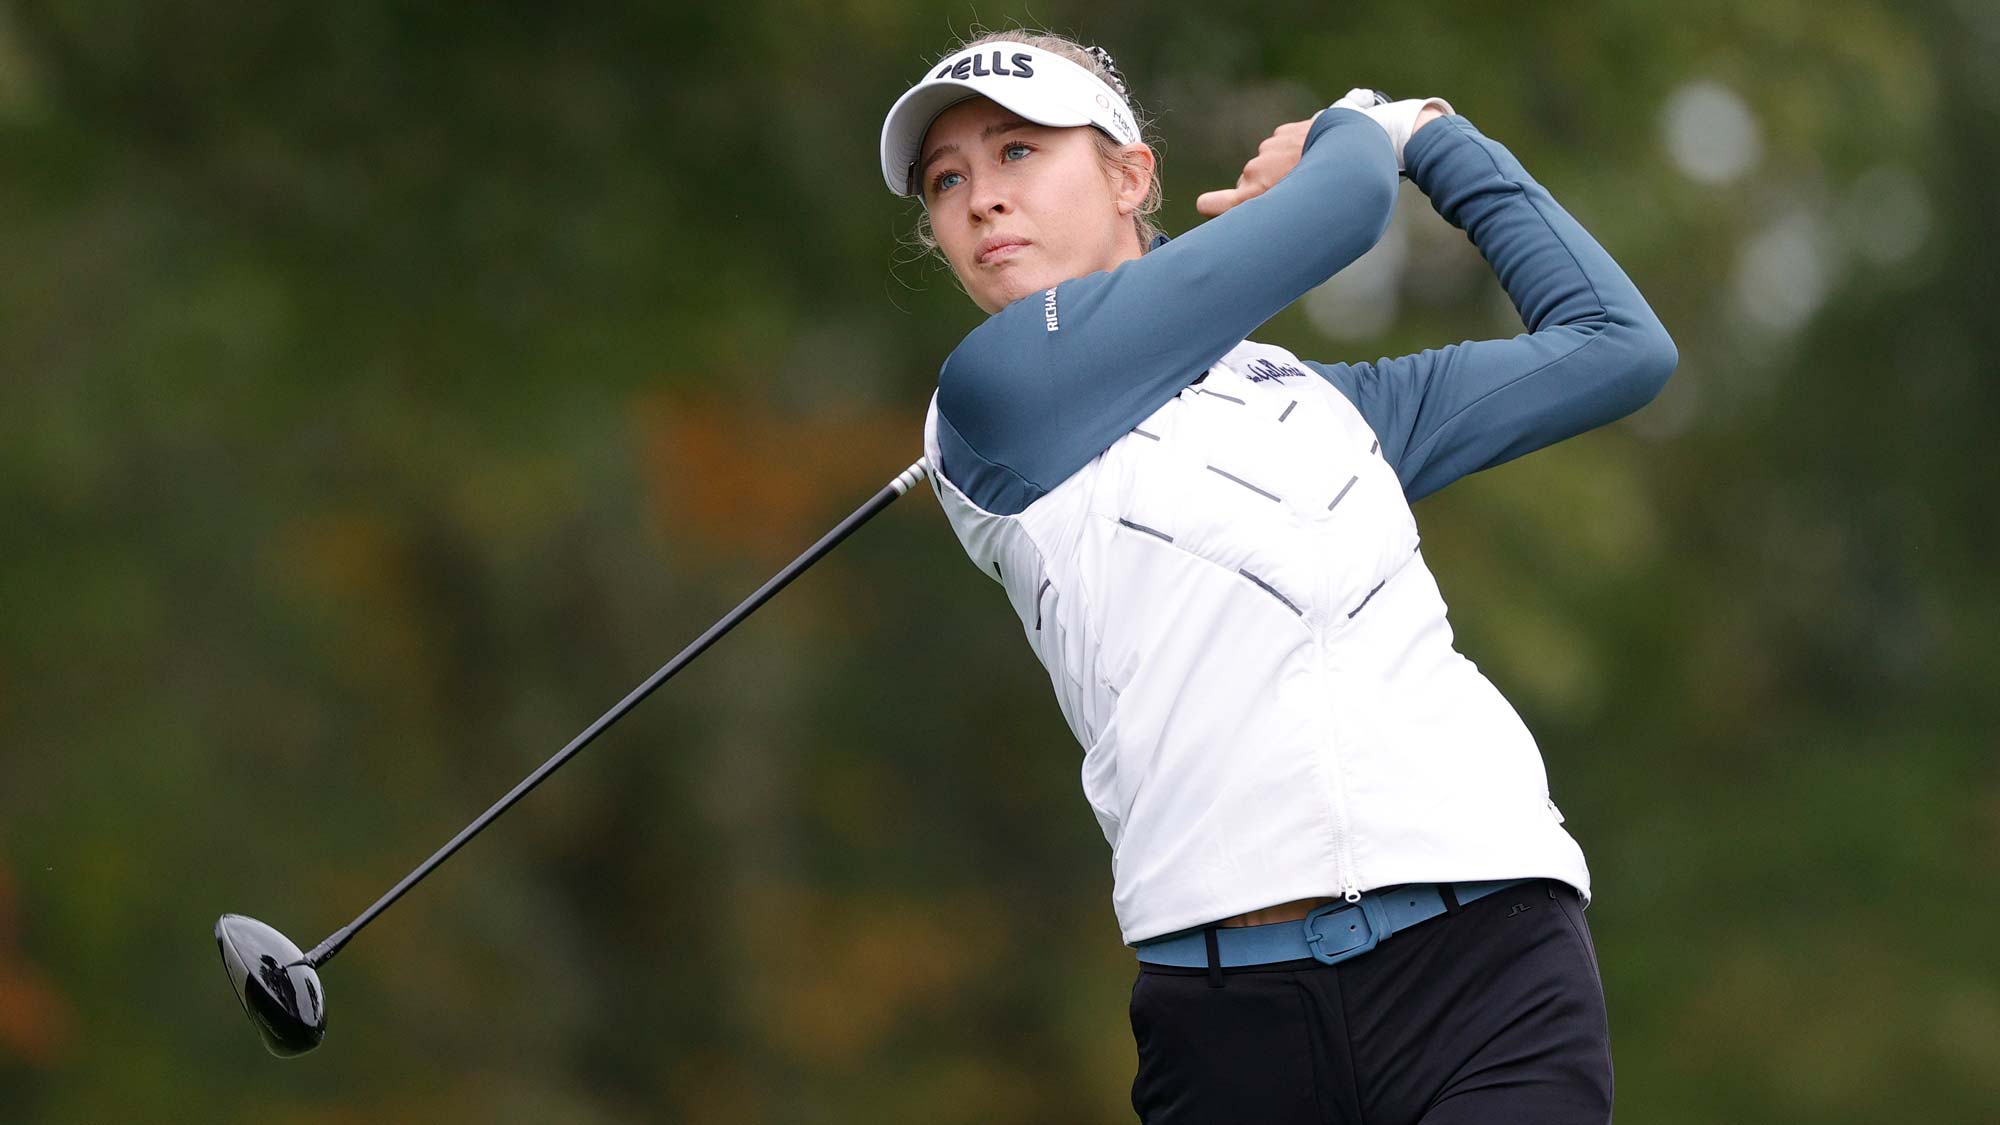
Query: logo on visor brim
pixel 1060 94
pixel 975 66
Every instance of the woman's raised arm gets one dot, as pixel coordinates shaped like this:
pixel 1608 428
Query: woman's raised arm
pixel 1049 382
pixel 1594 351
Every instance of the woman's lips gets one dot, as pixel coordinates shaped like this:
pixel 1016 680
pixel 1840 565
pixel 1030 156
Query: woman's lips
pixel 1000 251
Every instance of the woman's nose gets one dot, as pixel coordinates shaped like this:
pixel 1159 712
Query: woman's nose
pixel 987 203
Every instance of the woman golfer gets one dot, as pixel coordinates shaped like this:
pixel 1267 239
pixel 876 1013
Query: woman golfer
pixel 1332 840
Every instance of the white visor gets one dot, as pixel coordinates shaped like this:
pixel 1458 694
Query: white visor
pixel 1044 88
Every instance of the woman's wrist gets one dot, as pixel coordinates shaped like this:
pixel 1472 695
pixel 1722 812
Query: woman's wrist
pixel 1402 119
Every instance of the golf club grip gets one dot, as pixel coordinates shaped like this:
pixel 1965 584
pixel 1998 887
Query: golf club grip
pixel 904 481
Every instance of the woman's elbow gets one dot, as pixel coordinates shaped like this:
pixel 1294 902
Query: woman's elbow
pixel 1646 361
pixel 1657 359
pixel 1368 202
pixel 1375 204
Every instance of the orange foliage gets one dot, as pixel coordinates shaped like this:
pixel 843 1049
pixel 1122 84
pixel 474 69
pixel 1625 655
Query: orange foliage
pixel 37 1023
pixel 875 964
pixel 357 567
pixel 714 1088
pixel 744 480
pixel 343 559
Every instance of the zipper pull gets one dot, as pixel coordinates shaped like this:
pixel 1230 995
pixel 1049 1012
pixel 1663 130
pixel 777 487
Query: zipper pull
pixel 1351 893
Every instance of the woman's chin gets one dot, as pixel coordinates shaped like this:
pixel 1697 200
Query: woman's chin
pixel 1011 286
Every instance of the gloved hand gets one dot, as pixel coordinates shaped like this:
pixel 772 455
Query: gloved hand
pixel 1364 99
pixel 1398 119
pixel 1279 152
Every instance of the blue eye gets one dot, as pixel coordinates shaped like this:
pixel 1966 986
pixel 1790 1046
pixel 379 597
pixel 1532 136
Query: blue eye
pixel 945 181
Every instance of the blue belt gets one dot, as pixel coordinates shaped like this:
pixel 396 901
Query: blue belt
pixel 1331 933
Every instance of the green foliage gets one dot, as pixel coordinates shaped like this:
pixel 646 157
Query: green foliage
pixel 385 388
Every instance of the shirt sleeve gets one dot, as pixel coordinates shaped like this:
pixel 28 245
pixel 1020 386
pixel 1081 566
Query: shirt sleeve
pixel 1593 353
pixel 1050 381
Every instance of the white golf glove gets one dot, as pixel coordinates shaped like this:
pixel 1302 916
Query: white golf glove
pixel 1362 98
pixel 1396 118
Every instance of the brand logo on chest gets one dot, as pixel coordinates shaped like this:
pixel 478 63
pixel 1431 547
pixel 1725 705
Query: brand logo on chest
pixel 1265 371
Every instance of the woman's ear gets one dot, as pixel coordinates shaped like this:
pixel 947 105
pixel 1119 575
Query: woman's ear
pixel 1134 179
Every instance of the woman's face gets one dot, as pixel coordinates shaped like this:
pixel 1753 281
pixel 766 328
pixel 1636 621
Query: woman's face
pixel 1017 207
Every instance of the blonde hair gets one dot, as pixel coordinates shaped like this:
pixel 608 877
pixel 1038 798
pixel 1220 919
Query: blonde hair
pixel 1097 61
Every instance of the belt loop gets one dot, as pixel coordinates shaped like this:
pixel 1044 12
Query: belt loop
pixel 1214 957
pixel 1449 894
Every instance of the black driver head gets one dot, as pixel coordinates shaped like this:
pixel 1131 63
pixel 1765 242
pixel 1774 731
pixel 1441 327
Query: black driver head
pixel 279 991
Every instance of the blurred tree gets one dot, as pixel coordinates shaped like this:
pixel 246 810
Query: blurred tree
pixel 385 387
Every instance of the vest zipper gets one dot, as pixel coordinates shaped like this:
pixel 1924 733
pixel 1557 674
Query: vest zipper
pixel 1344 840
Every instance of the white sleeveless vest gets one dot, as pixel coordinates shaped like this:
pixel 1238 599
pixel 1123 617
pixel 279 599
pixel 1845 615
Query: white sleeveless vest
pixel 1243 636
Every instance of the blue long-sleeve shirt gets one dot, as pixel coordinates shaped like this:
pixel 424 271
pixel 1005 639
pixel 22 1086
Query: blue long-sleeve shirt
pixel 1050 381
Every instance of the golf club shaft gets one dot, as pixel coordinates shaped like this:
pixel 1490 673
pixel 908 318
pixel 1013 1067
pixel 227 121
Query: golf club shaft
pixel 324 951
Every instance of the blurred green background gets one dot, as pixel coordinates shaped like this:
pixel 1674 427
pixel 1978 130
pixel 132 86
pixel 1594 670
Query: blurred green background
pixel 386 387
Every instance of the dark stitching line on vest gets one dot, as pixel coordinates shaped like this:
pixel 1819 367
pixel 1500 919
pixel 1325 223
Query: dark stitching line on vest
pixel 1144 434
pixel 1288 411
pixel 1271 590
pixel 1144 528
pixel 1206 561
pixel 1244 483
pixel 1366 600
pixel 1343 491
pixel 1374 445
pixel 1038 604
pixel 1220 395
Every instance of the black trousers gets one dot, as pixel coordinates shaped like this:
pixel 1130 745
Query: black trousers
pixel 1490 1015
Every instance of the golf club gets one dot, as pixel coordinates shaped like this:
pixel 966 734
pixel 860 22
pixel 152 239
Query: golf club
pixel 278 985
